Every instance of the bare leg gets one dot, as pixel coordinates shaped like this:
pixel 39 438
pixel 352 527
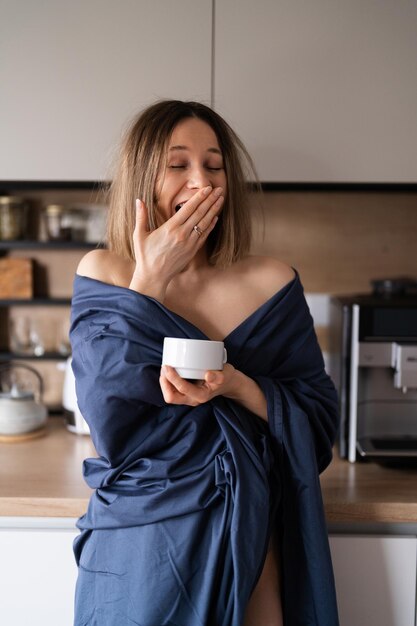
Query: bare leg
pixel 264 606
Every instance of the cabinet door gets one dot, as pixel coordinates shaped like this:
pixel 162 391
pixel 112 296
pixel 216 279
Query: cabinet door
pixel 321 91
pixel 73 73
pixel 37 577
pixel 375 580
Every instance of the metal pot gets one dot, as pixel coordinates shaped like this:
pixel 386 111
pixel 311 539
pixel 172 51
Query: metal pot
pixel 21 409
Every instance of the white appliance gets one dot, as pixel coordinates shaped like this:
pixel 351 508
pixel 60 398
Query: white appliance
pixel 21 408
pixel 75 421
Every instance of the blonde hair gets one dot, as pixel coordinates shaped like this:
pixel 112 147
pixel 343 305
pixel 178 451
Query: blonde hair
pixel 142 157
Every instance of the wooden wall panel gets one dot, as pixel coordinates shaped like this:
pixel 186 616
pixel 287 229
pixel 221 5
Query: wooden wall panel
pixel 339 241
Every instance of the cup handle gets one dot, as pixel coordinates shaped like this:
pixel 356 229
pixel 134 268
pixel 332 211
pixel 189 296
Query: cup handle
pixel 224 356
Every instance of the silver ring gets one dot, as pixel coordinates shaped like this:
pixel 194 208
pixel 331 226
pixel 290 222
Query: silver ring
pixel 198 230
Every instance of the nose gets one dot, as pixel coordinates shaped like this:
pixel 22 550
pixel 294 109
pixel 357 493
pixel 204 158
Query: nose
pixel 198 177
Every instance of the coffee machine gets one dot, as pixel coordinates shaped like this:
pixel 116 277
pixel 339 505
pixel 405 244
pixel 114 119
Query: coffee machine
pixel 377 372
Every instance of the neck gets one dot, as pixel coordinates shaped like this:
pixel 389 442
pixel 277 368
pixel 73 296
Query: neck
pixel 198 262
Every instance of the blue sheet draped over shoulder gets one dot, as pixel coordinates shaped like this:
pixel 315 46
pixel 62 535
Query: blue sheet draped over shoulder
pixel 198 490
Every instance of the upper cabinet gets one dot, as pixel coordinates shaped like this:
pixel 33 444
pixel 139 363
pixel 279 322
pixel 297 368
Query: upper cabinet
pixel 73 73
pixel 321 91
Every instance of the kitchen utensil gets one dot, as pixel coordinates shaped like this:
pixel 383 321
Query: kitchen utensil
pixel 34 336
pixel 13 216
pixel 75 421
pixel 20 410
pixel 58 222
pixel 20 341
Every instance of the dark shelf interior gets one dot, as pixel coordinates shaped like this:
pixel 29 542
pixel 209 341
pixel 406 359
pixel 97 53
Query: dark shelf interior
pixel 296 186
pixel 36 302
pixel 42 185
pixel 48 356
pixel 23 244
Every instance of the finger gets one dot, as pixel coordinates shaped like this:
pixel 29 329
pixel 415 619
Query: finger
pixel 173 396
pixel 205 232
pixel 181 385
pixel 207 209
pixel 214 378
pixel 205 222
pixel 141 226
pixel 190 206
pixel 210 377
pixel 168 391
pixel 197 206
pixel 190 390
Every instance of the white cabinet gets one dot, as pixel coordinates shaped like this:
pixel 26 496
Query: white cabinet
pixel 375 580
pixel 375 576
pixel 321 91
pixel 73 73
pixel 37 574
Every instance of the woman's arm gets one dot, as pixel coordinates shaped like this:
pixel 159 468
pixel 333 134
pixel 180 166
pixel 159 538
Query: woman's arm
pixel 248 393
pixel 230 383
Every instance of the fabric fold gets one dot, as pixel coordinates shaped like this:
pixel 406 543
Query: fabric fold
pixel 215 469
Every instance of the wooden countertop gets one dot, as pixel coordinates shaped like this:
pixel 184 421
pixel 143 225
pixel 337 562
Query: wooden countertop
pixel 369 492
pixel 42 478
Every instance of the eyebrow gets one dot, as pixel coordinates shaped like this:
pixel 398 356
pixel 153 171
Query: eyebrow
pixel 213 150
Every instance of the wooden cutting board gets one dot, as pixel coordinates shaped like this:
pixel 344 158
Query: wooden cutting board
pixel 16 278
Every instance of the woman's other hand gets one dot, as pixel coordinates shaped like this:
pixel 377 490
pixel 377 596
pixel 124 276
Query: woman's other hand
pixel 177 390
pixel 230 383
pixel 162 253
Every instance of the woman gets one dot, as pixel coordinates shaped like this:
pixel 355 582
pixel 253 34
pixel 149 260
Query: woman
pixel 198 503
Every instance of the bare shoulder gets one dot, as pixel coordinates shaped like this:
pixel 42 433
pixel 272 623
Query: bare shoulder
pixel 105 266
pixel 266 274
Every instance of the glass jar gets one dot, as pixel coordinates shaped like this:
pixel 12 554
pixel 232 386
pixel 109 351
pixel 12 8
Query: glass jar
pixel 79 221
pixel 13 218
pixel 58 222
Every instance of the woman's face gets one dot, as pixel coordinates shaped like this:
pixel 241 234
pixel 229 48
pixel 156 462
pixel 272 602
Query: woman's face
pixel 193 161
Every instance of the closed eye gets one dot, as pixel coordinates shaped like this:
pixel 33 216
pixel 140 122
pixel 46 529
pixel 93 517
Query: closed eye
pixel 181 167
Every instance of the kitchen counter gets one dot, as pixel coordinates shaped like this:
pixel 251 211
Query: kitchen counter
pixel 42 478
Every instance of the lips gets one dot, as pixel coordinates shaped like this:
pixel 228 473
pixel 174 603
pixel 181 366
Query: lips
pixel 179 205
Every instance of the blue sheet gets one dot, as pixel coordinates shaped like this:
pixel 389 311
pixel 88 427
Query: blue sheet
pixel 186 498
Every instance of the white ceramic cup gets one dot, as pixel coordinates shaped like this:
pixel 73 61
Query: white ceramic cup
pixel 192 358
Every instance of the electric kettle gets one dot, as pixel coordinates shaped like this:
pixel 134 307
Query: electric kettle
pixel 21 408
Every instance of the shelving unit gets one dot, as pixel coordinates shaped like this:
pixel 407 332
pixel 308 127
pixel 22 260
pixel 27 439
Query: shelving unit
pixel 54 265
pixel 5 246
